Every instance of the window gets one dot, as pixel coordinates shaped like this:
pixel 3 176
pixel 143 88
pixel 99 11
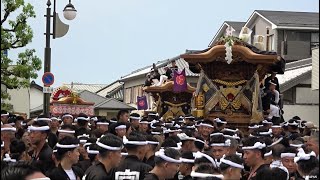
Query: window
pixel 127 97
pixel 297 36
pixel 314 39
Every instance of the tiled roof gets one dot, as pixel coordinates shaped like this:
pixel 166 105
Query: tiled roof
pixel 181 63
pixel 291 18
pixel 113 90
pixel 236 25
pixel 78 87
pixel 295 73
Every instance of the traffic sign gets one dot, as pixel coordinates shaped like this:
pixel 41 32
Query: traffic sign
pixel 48 79
pixel 47 90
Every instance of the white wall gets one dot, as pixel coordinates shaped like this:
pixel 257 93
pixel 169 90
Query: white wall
pixel 305 112
pixel 36 98
pixel 20 100
pixel 305 95
pixel 315 69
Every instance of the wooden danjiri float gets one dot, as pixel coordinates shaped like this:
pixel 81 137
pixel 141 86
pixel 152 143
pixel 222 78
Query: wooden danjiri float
pixel 230 76
pixel 168 102
pixel 64 100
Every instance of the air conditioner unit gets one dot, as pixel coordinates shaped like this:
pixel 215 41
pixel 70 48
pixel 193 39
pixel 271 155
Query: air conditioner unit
pixel 258 42
pixel 245 34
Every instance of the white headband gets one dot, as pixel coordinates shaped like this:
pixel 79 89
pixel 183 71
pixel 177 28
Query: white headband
pixel 230 130
pixel 292 155
pixel 55 150
pixel 183 137
pixel 218 120
pixel 66 131
pixel 293 124
pixel 54 118
pixel 83 141
pixel 9 129
pixel 102 123
pixel 5 114
pixel 233 164
pixel 204 175
pixel 113 121
pixel 92 151
pixel 276 126
pixel 67 115
pixel 124 154
pixel 266 133
pixel 303 156
pixel 276 142
pixel 235 136
pixel 296 145
pixel 171 130
pixel 161 154
pixel 257 145
pixel 268 153
pixel 254 127
pixel 189 117
pixel 121 127
pixel 40 128
pixel 153 142
pixel 82 118
pixel 83 135
pixel 225 144
pixel 190 127
pixel 94 118
pixel 135 118
pixel 87 144
pixel 43 119
pixel 216 134
pixel 144 122
pixel 155 133
pixel 272 83
pixel 204 124
pixel 200 155
pixel 198 140
pixel 67 146
pixel 239 154
pixel 108 147
pixel 2 144
pixel 126 141
pixel 8 158
pixel 184 160
pixel 267 122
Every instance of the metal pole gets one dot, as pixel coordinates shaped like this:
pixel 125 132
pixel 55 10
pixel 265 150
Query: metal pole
pixel 47 59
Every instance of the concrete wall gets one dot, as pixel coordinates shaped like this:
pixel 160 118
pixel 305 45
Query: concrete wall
pixel 20 100
pixel 36 98
pixel 306 96
pixel 107 113
pixel 305 112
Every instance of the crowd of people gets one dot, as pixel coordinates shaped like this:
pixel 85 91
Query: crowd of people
pixel 146 147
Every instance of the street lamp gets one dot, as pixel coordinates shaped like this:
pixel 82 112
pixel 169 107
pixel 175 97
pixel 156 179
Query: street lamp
pixel 59 30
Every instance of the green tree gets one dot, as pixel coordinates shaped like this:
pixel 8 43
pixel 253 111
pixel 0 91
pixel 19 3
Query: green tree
pixel 15 34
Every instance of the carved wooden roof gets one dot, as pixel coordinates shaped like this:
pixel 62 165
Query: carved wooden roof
pixel 168 86
pixel 217 51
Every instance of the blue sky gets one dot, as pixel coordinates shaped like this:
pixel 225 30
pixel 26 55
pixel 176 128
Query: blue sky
pixel 111 38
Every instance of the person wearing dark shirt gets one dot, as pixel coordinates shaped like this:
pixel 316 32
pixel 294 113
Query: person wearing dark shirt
pixel 166 165
pixel 273 78
pixel 68 155
pixel 253 156
pixel 151 149
pixel 110 147
pixel 42 152
pixel 187 162
pixel 170 70
pixel 135 145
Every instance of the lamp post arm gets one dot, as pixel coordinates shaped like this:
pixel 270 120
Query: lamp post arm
pixel 54 20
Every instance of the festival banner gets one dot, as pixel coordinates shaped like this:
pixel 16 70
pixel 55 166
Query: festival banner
pixel 180 82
